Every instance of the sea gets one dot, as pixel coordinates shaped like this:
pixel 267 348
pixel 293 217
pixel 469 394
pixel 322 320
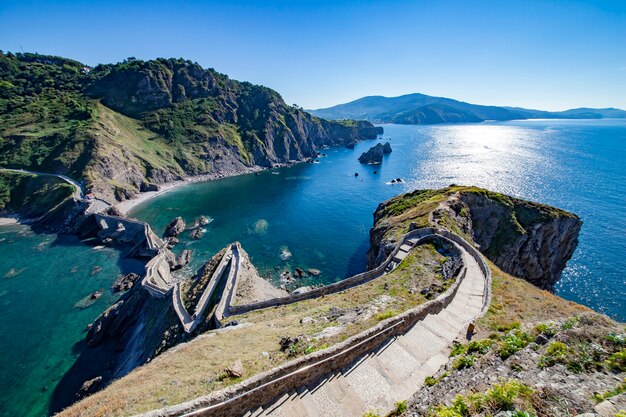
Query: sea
pixel 318 216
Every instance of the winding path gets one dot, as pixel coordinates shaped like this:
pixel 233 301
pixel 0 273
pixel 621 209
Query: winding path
pixel 96 204
pixel 394 372
pixel 375 380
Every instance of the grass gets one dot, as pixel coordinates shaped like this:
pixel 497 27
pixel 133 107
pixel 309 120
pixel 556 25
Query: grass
pixel 193 369
pixel 32 195
pixel 432 380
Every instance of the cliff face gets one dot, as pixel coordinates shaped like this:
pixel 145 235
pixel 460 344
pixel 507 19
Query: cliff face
pixel 124 127
pixel 525 239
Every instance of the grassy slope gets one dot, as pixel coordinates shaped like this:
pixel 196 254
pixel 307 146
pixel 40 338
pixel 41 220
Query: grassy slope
pixel 396 214
pixel 196 368
pixel 32 195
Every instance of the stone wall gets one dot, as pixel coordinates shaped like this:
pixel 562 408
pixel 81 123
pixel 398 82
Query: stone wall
pixel 424 235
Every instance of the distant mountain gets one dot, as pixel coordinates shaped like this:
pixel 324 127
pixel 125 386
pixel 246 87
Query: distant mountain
pixel 423 109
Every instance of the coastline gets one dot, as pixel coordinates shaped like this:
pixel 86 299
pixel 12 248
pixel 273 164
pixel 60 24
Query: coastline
pixel 127 205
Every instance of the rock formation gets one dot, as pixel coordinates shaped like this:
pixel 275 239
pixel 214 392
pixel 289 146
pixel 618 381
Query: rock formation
pixel 528 240
pixel 375 154
pixel 175 227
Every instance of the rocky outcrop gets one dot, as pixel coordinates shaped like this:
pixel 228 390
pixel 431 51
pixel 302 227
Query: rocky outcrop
pixel 375 154
pixel 525 239
pixel 528 240
pixel 175 227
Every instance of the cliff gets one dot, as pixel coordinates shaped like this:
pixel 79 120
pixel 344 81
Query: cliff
pixel 528 240
pixel 124 127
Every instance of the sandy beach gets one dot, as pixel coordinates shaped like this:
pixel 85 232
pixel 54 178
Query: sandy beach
pixel 8 220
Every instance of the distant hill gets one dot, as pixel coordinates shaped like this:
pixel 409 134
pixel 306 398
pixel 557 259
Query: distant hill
pixel 423 109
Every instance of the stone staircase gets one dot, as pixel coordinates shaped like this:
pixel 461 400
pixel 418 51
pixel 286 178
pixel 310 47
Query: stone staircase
pixel 393 372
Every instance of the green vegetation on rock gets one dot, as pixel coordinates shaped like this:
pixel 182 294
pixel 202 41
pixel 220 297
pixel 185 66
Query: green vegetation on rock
pixel 31 195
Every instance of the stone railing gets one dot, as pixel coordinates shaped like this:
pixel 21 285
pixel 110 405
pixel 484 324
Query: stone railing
pixel 263 388
pixel 359 279
pixel 342 285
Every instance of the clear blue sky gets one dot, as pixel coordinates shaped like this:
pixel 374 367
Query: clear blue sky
pixel 541 54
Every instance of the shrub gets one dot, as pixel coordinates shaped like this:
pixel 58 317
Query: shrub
pixel 556 352
pixel 399 408
pixel 617 361
pixel 465 361
pixel 385 315
pixel 617 339
pixel 431 380
pixel 513 342
pixel 570 323
pixel 620 389
pixel 458 349
pixel 479 346
pixel 547 329
pixel 371 413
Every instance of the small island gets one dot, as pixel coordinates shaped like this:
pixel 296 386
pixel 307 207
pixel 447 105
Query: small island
pixel 375 154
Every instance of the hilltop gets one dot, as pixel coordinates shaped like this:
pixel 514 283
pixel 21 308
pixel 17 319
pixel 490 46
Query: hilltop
pixel 127 127
pixel 424 109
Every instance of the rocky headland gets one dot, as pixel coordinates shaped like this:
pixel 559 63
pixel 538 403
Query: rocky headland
pixel 526 239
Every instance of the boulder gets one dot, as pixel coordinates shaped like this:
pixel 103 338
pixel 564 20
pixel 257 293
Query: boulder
pixel 299 272
pixel 314 272
pixel 170 242
pixel 175 227
pixel 197 233
pixel 387 148
pixel 235 370
pixel 125 282
pixel 148 186
pixel 89 387
pixel 177 262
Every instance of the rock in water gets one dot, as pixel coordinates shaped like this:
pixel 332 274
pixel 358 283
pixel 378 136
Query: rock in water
pixel 125 282
pixel 375 154
pixel 177 262
pixel 175 227
pixel 197 233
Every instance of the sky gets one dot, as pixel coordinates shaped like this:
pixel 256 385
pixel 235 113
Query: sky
pixel 549 55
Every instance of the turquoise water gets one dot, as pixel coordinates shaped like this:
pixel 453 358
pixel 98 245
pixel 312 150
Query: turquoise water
pixel 321 213
pixel 42 277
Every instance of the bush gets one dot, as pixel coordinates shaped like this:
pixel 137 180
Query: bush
pixel 465 361
pixel 513 342
pixel 458 349
pixel 371 413
pixel 479 346
pixel 617 361
pixel 617 339
pixel 431 380
pixel 570 323
pixel 556 352
pixel 385 315
pixel 546 329
pixel 400 407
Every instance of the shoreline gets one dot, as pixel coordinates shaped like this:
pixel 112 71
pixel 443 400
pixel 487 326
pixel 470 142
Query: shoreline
pixel 9 219
pixel 128 205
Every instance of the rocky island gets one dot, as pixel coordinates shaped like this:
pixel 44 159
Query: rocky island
pixel 374 155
